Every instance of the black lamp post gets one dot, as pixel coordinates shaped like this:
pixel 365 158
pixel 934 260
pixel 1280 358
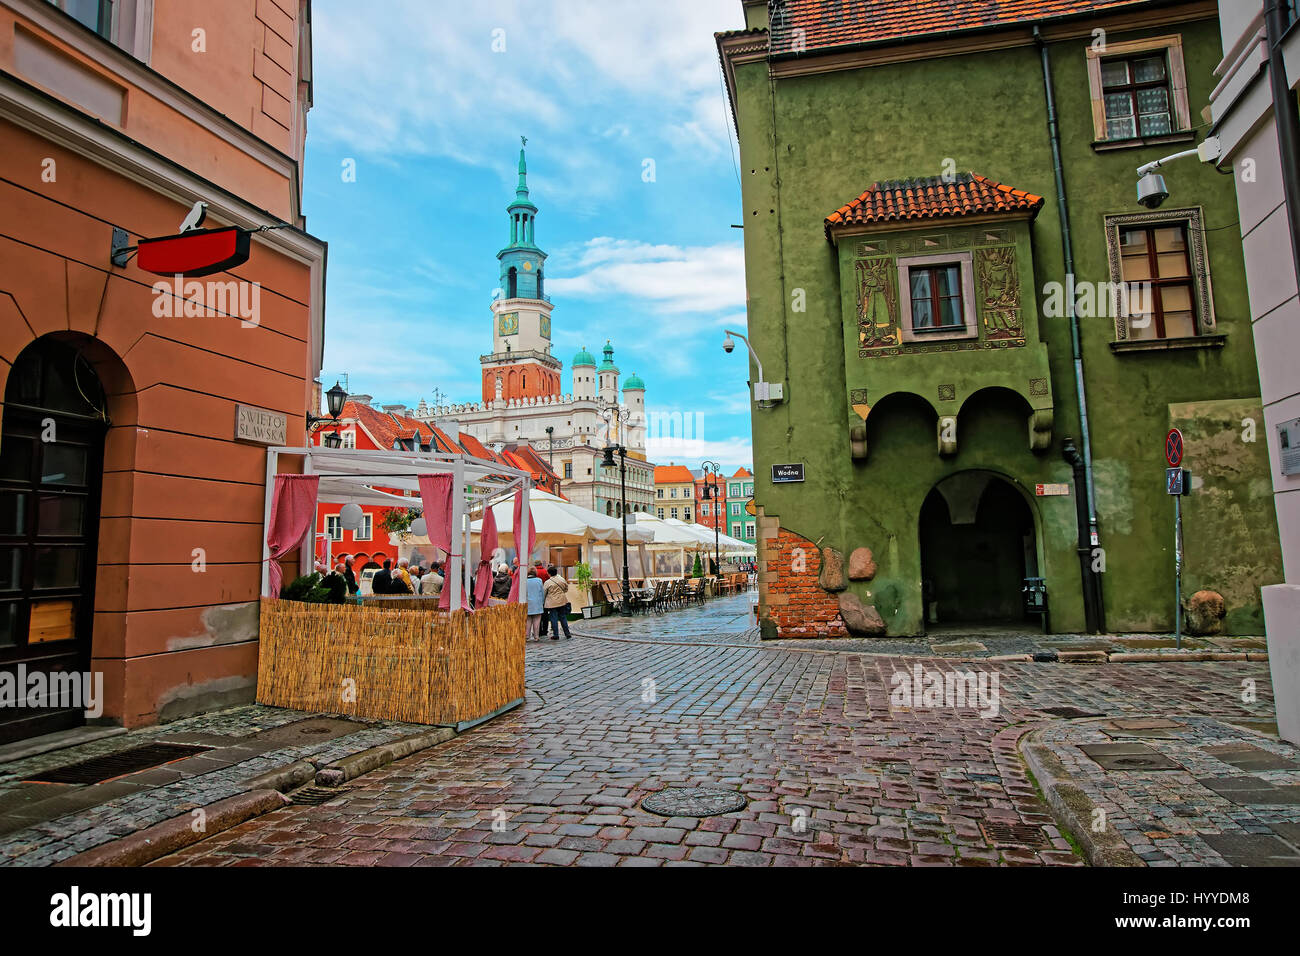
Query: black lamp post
pixel 711 470
pixel 334 398
pixel 608 462
pixel 550 443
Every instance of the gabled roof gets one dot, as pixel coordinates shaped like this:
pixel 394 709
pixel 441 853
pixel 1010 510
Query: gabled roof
pixel 669 474
pixel 806 26
pixel 933 197
pixel 743 472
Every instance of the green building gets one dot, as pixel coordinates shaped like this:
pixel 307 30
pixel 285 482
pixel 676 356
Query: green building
pixel 982 337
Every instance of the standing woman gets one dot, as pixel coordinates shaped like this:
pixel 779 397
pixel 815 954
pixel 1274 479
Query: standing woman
pixel 536 604
pixel 557 599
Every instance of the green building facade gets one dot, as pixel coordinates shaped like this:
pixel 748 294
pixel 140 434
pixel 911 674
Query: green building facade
pixel 907 285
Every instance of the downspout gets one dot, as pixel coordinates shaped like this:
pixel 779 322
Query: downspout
pixel 1094 609
pixel 1287 119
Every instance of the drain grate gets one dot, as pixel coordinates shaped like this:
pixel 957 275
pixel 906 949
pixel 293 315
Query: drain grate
pixel 1014 834
pixel 693 802
pixel 99 769
pixel 315 796
pixel 1071 712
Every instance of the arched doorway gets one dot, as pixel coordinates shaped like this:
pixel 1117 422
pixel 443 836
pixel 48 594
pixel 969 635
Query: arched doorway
pixel 51 467
pixel 978 544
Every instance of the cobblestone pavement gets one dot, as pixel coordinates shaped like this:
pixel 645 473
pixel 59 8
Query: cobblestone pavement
pixel 730 620
pixel 1216 803
pixel 834 772
pixel 41 824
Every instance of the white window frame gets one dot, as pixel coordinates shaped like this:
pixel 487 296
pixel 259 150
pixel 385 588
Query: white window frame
pixel 334 527
pixel 366 531
pixel 970 325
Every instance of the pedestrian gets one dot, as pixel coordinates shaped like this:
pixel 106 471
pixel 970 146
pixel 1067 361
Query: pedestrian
pixel 546 618
pixel 350 576
pixel 557 603
pixel 501 582
pixel 416 575
pixel 404 574
pixel 431 583
pixel 536 604
pixel 382 583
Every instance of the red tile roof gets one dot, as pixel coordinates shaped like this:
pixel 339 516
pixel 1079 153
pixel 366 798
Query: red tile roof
pixel 805 26
pixel 968 194
pixel 667 474
pixel 743 472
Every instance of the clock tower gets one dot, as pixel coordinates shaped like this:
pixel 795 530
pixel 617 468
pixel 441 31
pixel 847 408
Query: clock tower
pixel 521 365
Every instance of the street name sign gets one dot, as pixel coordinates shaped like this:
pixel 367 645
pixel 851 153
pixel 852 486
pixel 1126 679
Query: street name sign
pixel 787 473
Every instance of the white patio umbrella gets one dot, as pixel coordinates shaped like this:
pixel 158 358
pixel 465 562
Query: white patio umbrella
pixel 562 522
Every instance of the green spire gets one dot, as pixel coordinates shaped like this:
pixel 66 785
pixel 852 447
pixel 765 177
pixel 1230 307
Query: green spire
pixel 521 191
pixel 609 357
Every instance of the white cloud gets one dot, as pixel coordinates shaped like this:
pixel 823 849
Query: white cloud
pixel 730 452
pixel 672 279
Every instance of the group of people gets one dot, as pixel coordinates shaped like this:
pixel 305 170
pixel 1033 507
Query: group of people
pixel 548 602
pixel 404 578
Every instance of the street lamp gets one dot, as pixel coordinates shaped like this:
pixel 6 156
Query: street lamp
pixel 550 443
pixel 608 461
pixel 711 471
pixel 334 398
pixel 765 393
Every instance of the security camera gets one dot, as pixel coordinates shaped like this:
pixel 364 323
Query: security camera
pixel 728 344
pixel 1152 191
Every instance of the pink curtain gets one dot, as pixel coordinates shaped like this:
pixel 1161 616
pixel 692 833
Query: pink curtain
pixel 487 544
pixel 293 513
pixel 435 495
pixel 522 574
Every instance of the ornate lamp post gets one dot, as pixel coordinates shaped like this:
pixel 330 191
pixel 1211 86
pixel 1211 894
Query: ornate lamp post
pixel 621 415
pixel 711 471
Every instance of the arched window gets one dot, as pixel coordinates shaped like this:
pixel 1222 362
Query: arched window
pixel 512 283
pixel 539 283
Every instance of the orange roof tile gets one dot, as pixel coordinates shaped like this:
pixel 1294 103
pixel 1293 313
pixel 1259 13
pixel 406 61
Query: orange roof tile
pixel 743 472
pixel 933 197
pixel 668 474
pixel 798 27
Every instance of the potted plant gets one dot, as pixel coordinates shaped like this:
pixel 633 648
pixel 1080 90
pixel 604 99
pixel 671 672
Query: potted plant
pixel 582 581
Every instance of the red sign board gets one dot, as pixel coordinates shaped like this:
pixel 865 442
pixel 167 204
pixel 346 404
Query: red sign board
pixel 1174 448
pixel 199 252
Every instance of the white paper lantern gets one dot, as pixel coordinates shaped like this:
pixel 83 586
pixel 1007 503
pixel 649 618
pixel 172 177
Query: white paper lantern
pixel 350 516
pixel 419 528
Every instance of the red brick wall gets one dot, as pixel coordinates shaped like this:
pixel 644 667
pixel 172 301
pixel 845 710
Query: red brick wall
pixel 792 600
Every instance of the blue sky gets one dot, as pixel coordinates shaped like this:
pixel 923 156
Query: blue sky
pixel 424 100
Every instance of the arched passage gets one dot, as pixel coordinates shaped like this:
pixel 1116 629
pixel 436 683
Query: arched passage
pixel 978 544
pixel 52 441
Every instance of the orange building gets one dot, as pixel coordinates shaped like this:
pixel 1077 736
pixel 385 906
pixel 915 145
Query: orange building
pixel 137 408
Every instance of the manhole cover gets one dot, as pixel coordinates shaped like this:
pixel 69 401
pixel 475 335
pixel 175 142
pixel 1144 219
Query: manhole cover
pixel 693 802
pixel 1014 834
pixel 315 796
pixel 309 730
pixel 99 769
pixel 1070 712
pixel 1128 757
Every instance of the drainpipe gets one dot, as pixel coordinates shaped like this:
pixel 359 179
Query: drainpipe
pixel 1091 582
pixel 1287 120
pixel 1094 612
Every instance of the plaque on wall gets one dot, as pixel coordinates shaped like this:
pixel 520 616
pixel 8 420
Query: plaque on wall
pixel 1288 442
pixel 260 425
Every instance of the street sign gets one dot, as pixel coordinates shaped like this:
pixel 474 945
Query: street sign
pixel 1175 481
pixel 1051 490
pixel 786 473
pixel 1174 448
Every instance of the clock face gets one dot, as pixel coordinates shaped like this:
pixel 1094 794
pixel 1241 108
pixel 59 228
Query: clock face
pixel 546 326
pixel 509 324
pixel 528 267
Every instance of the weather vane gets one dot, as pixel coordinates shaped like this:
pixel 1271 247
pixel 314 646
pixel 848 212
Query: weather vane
pixel 523 140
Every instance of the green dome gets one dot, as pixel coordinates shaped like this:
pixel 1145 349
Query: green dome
pixel 584 358
pixel 634 381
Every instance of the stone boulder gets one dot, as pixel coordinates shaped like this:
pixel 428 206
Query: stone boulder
pixel 862 565
pixel 1203 613
pixel 862 620
pixel 831 577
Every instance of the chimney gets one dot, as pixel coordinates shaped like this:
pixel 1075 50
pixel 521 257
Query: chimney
pixel 395 409
pixel 361 399
pixel 449 427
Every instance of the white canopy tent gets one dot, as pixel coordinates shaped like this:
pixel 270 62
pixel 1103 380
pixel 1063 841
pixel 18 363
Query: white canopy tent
pixel 355 475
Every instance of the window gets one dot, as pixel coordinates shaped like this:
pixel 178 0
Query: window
pixel 940 300
pixel 1138 90
pixel 704 510
pixel 674 512
pixel 735 508
pixel 672 493
pixel 659 492
pixel 660 514
pixel 333 529
pixel 568 469
pixel 686 514
pixel 1135 92
pixel 749 489
pixel 1160 278
pixel 95 14
pixel 749 531
pixel 735 531
pixel 350 438
pixel 366 529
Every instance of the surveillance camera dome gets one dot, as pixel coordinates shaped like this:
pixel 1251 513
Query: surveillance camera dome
pixel 728 344
pixel 1151 190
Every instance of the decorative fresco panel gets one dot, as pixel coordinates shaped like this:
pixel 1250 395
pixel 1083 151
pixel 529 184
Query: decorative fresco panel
pixel 877 304
pixel 998 281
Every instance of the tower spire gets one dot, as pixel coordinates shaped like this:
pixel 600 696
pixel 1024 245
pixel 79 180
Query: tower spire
pixel 521 191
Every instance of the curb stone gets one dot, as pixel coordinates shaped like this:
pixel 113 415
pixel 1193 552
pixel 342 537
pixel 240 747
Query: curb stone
pixel 1073 809
pixel 341 771
pixel 167 837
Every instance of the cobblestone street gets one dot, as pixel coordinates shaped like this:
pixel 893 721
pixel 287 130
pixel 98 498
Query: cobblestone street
pixel 833 773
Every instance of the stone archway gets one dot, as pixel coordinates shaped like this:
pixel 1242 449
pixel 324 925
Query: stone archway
pixel 978 544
